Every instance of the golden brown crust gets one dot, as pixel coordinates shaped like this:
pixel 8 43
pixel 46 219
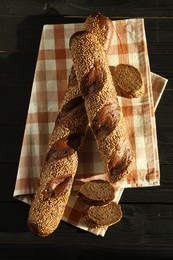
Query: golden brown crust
pixel 50 200
pixel 99 93
pixel 61 163
pixel 102 27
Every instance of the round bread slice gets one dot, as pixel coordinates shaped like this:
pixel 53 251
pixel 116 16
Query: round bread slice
pixel 101 216
pixel 96 192
pixel 129 80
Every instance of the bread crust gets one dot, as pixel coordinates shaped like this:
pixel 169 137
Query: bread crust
pixel 99 93
pixel 56 179
pixel 101 26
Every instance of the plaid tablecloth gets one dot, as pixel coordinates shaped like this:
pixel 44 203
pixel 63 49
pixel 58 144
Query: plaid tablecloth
pixel 53 66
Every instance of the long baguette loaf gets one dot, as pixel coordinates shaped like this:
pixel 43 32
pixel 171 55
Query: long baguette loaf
pixel 61 163
pixel 48 205
pixel 102 106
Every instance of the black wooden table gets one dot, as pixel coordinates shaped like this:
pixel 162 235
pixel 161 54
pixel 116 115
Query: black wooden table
pixel 146 229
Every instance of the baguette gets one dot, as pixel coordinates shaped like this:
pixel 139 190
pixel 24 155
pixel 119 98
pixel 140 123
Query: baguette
pixel 61 163
pixel 101 26
pixel 56 179
pixel 102 106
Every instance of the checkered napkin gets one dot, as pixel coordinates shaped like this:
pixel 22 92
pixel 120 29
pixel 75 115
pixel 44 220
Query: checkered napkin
pixel 49 86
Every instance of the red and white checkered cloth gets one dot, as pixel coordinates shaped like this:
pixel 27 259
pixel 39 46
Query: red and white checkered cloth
pixel 49 86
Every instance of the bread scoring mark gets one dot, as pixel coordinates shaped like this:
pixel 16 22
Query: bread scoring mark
pixel 119 162
pixel 65 147
pixel 72 104
pixel 57 186
pixel 59 150
pixel 75 108
pixel 89 60
pixel 72 80
pixel 74 140
pixel 93 81
pixel 106 120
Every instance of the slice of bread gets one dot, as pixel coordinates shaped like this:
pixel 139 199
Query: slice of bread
pixel 128 79
pixel 101 216
pixel 96 192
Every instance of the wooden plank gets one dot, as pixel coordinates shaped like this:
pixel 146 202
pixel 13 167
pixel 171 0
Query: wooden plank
pixel 165 135
pixel 164 110
pixel 161 65
pixel 158 194
pixel 14 104
pixel 165 153
pixel 166 99
pixel 11 141
pixel 140 223
pixel 24 33
pixel 34 251
pixel 164 115
pixel 8 178
pixel 165 141
pixel 159 31
pixel 17 209
pixel 116 8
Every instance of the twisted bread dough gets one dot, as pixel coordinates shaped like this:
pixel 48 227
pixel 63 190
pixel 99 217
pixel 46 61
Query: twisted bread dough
pixel 50 199
pixel 102 106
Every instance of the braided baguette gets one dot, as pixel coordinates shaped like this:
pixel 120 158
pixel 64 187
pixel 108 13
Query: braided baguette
pixel 48 205
pixel 102 106
pixel 61 163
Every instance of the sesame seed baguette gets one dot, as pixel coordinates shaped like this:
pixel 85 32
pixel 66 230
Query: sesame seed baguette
pixel 56 179
pixel 52 194
pixel 101 26
pixel 102 106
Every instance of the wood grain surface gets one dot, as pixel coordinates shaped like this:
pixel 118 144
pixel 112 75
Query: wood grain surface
pixel 146 229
